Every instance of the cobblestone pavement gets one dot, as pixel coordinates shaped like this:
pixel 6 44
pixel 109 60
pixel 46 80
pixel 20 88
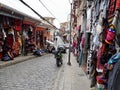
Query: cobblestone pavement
pixel 71 77
pixel 36 74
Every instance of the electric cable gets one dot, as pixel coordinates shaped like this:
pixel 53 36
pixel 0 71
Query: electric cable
pixel 37 13
pixel 49 10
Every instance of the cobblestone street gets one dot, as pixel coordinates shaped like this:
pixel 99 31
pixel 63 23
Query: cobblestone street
pixel 36 74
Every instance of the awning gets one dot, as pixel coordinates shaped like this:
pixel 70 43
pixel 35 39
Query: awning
pixel 10 15
pixel 28 22
pixel 40 28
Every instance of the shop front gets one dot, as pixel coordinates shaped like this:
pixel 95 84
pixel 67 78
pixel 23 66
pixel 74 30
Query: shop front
pixel 10 36
pixel 28 37
pixel 40 38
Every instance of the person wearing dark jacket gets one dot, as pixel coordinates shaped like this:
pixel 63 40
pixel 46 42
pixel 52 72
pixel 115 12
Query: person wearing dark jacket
pixel 58 56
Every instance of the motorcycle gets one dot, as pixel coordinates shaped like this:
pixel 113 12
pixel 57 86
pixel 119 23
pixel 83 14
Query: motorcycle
pixel 58 56
pixel 59 62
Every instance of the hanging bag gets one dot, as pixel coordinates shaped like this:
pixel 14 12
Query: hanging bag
pixel 110 35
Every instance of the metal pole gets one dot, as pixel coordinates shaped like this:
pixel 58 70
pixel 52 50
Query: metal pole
pixel 69 63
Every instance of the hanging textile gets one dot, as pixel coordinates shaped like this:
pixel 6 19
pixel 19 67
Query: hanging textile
pixel 17 25
pixel 10 40
pixel 99 54
pixel 114 77
pixel 1 42
pixel 80 57
pixel 111 10
pixel 110 35
pixel 118 28
pixel 118 4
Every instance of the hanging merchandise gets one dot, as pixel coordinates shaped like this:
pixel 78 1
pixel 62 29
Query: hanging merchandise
pixel 80 57
pixel 111 11
pixel 110 35
pixel 17 25
pixel 96 40
pixel 89 11
pixel 93 72
pixel 81 48
pixel 107 54
pixel 100 52
pixel 16 48
pixel 28 42
pixel 100 20
pixel 3 31
pixel 115 58
pixel 116 22
pixel 105 8
pixel 25 36
pixel 118 4
pixel 97 7
pixel 11 37
pixel 30 32
pixel 88 36
pixel 114 73
pixel 82 42
pixel 19 38
pixel 1 42
pixel 7 51
pixel 98 29
pixel 102 78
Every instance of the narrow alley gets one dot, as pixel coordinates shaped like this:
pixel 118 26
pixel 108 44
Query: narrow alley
pixel 41 73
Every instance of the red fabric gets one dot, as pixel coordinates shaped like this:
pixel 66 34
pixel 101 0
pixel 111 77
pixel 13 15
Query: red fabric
pixel 16 48
pixel 17 25
pixel 100 52
pixel 18 28
pixel 118 4
pixel 0 55
pixel 82 40
pixel 111 8
pixel 110 35
pixel 10 40
pixel 74 44
pixel 100 79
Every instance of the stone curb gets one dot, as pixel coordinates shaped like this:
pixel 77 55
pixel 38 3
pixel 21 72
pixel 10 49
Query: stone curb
pixel 17 60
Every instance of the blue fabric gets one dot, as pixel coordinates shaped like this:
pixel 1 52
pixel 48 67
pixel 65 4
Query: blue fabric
pixel 80 57
pixel 37 52
pixel 114 59
pixel 6 58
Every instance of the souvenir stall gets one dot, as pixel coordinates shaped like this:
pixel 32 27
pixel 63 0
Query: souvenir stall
pixel 28 34
pixel 1 41
pixel 105 53
pixel 8 33
pixel 18 42
pixel 39 38
pixel 39 41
